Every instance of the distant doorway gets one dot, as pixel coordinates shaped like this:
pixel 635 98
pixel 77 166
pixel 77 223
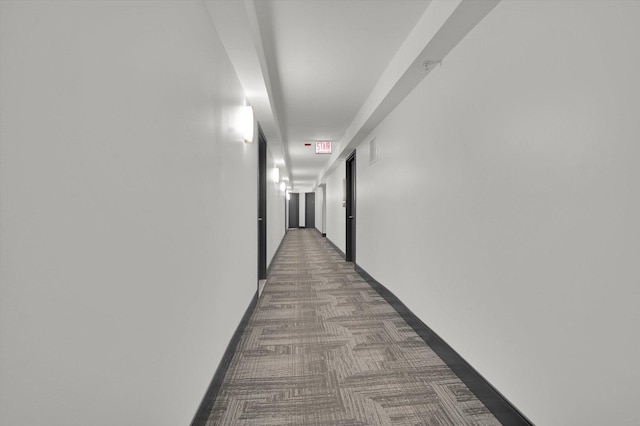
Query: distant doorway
pixel 310 210
pixel 351 208
pixel 294 211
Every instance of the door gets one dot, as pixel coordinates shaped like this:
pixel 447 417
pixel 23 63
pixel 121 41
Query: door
pixel 310 210
pixel 351 207
pixel 262 206
pixel 294 211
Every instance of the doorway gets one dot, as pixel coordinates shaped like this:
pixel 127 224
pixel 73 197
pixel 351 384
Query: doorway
pixel 294 211
pixel 310 210
pixel 351 208
pixel 262 206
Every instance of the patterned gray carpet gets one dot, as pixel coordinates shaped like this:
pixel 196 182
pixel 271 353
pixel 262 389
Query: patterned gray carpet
pixel 323 348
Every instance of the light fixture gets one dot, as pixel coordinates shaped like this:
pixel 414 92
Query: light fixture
pixel 275 175
pixel 288 195
pixel 283 186
pixel 246 123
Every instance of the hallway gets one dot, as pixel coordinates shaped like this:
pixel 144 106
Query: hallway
pixel 477 160
pixel 324 348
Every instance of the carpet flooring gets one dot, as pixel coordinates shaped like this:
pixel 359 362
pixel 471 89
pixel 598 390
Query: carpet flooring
pixel 323 348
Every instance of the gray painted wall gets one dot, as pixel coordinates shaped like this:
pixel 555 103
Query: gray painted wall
pixel 503 208
pixel 127 209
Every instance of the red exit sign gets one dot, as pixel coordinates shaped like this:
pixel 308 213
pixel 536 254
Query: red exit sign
pixel 323 147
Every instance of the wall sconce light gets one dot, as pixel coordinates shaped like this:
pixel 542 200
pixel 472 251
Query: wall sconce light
pixel 246 123
pixel 288 195
pixel 275 175
pixel 283 186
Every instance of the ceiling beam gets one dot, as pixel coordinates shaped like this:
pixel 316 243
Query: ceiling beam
pixel 238 28
pixel 442 26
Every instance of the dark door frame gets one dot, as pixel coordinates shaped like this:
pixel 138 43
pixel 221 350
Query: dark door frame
pixel 310 210
pixel 350 210
pixel 262 205
pixel 294 210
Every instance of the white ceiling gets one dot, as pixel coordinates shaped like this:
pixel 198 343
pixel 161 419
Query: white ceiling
pixel 330 70
pixel 324 57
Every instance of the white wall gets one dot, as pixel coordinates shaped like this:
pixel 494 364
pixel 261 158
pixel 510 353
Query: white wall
pixel 275 211
pixel 320 209
pixel 324 209
pixel 503 209
pixel 127 212
pixel 303 209
pixel 336 216
pixel 286 211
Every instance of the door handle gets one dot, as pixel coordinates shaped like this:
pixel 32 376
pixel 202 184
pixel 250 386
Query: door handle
pixel 259 218
pixel 350 217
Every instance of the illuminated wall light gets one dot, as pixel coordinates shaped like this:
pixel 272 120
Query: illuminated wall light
pixel 283 186
pixel 288 195
pixel 246 123
pixel 275 175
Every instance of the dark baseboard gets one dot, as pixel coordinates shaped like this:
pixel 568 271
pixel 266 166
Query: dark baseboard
pixel 322 234
pixel 275 255
pixel 499 406
pixel 336 248
pixel 204 410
